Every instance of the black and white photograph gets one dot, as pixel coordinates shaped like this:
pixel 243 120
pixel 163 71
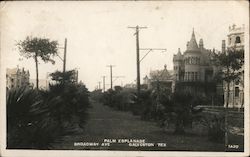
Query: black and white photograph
pixel 124 78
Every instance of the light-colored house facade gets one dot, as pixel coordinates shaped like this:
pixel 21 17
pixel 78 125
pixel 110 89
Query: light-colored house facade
pixel 17 77
pixel 162 78
pixel 195 70
pixel 195 64
pixel 235 40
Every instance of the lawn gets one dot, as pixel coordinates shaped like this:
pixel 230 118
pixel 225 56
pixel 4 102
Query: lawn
pixel 106 123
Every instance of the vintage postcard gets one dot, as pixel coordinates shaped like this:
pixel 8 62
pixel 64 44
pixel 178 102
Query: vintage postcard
pixel 124 78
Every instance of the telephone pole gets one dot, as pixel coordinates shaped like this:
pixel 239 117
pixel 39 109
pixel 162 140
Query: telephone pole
pixel 99 85
pixel 64 59
pixel 138 56
pixel 138 60
pixel 111 81
pixel 103 81
pixel 64 56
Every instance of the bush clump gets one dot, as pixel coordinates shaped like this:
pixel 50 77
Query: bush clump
pixel 36 118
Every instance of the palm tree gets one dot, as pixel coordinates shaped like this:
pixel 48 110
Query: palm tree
pixel 36 48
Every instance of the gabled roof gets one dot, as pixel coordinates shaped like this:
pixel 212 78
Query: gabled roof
pixel 161 75
pixel 146 77
pixel 178 56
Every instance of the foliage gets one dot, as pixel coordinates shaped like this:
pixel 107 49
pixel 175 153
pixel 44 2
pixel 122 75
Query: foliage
pixel 19 117
pixel 36 118
pixel 177 109
pixel 216 128
pixel 37 48
pixel 120 99
pixel 181 110
pixel 97 95
pixel 231 62
pixel 142 105
pixel 68 76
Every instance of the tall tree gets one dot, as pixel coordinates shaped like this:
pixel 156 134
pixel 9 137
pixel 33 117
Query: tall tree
pixel 232 62
pixel 37 48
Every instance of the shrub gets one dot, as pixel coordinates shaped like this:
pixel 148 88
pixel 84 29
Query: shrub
pixel 37 118
pixel 216 129
pixel 20 120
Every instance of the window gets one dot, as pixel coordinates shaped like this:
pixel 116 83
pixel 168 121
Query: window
pixel 192 76
pixel 237 82
pixel 229 41
pixel 237 40
pixel 195 76
pixel 237 91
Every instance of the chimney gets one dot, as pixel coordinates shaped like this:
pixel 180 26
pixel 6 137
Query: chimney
pixel 187 44
pixel 201 43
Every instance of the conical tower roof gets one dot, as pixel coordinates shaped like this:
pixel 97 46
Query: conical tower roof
pixel 178 56
pixel 192 45
pixel 179 52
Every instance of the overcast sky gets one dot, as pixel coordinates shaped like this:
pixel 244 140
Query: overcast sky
pixel 97 33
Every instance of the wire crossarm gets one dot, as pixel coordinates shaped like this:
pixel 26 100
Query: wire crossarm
pixel 151 49
pixel 59 57
pixel 116 77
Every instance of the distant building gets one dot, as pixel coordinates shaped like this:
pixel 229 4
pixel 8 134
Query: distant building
pixel 195 69
pixel 17 77
pixel 195 64
pixel 162 78
pixel 235 39
pixel 130 85
pixel 43 83
pixel 75 76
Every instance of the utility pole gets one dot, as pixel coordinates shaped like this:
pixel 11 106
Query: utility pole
pixel 138 56
pixel 99 85
pixel 111 81
pixel 103 81
pixel 64 59
pixel 138 60
pixel 64 56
